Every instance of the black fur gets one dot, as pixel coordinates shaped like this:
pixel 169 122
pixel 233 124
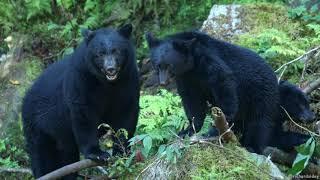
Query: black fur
pixel 231 77
pixel 296 103
pixel 65 105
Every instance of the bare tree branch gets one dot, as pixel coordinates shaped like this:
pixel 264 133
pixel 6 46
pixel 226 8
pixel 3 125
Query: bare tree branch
pixel 298 58
pixel 312 86
pixel 69 169
pixel 298 125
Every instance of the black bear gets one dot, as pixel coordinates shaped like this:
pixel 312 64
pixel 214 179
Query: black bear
pixel 296 103
pixel 231 77
pixel 97 83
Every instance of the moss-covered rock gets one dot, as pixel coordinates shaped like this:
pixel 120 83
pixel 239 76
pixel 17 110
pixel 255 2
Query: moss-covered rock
pixel 204 161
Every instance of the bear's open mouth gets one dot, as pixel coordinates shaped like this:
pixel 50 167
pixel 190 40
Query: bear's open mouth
pixel 111 77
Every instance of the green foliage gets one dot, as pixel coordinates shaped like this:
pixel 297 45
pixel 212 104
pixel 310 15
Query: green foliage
pixel 120 168
pixel 37 8
pixel 173 151
pixel 276 47
pixel 308 11
pixel 315 28
pixel 12 146
pixel 12 152
pixel 140 143
pixel 5 159
pixel 161 114
pixel 249 1
pixel 273 44
pixel 67 4
pixel 278 38
pixel 160 117
pixel 305 152
pixel 63 19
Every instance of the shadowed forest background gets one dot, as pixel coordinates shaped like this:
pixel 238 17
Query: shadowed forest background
pixel 36 33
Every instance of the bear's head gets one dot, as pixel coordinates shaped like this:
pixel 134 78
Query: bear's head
pixel 170 57
pixel 108 51
pixel 295 102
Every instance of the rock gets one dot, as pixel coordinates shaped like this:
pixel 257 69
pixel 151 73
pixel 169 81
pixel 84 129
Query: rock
pixel 274 170
pixel 224 21
pixel 13 56
pixel 3 57
pixel 13 70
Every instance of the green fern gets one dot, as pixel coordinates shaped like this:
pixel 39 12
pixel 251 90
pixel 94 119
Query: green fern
pixel 91 22
pixel 37 8
pixel 67 4
pixel 90 5
pixel 161 113
pixel 272 44
pixel 316 30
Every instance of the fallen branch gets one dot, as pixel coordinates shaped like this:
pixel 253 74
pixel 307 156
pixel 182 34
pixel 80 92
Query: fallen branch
pixel 287 159
pixel 16 170
pixel 298 58
pixel 284 69
pixel 312 86
pixel 69 169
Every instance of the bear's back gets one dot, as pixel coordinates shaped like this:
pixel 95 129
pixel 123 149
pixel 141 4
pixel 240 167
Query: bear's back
pixel 50 81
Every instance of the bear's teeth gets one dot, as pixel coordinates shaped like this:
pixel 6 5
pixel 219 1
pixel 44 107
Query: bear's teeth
pixel 111 77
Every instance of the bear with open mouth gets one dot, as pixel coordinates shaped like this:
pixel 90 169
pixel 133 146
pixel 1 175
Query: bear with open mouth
pixel 98 83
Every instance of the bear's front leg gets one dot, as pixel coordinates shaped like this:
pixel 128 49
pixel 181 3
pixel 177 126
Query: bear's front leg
pixel 84 127
pixel 195 107
pixel 128 121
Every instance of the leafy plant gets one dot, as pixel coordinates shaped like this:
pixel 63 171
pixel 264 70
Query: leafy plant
pixel 277 48
pixel 307 11
pixel 5 158
pixel 161 114
pixel 172 151
pixel 315 28
pixel 160 117
pixel 305 152
pixel 37 8
pixel 64 18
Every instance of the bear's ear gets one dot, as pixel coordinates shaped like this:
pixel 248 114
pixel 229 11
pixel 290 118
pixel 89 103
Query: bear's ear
pixel 183 44
pixel 125 30
pixel 87 34
pixel 151 40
